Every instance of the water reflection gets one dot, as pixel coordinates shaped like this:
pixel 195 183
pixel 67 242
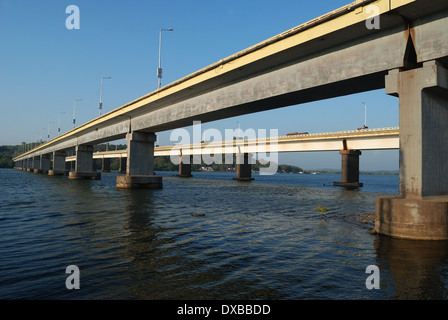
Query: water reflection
pixel 413 269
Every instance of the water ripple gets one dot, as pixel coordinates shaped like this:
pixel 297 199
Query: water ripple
pixel 208 237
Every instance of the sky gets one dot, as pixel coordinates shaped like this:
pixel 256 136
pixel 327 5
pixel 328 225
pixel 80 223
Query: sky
pixel 44 66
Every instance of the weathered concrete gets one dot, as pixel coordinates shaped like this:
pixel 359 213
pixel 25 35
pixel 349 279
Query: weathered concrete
pixel 140 163
pixel 84 165
pixel 59 165
pixel 421 209
pixel 243 167
pixel 349 169
pixel 412 218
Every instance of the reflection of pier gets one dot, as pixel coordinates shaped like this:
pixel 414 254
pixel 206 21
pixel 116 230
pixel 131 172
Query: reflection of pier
pixel 412 268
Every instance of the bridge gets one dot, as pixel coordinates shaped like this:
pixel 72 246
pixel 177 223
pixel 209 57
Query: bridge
pixel 348 143
pixel 333 55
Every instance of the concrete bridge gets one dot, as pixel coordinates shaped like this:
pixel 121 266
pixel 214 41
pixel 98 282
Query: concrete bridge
pixel 333 55
pixel 348 143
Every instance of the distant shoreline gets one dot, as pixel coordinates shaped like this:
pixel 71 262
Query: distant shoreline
pixel 379 172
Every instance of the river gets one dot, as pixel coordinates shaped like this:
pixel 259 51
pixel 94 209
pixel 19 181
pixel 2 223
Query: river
pixel 207 237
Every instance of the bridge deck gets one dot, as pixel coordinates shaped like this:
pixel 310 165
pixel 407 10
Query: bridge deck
pixel 365 139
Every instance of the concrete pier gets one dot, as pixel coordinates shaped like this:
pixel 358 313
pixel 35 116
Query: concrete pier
pixel 185 166
pixel 36 165
pixel 44 163
pixel 105 165
pixel 29 164
pixel 243 168
pixel 140 163
pixel 59 165
pixel 421 209
pixel 84 164
pixel 349 169
pixel 122 168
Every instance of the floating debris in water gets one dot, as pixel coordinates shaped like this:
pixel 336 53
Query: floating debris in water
pixel 198 214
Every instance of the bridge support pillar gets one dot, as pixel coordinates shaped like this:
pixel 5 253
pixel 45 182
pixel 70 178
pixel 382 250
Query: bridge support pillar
pixel 122 168
pixel 140 163
pixel 29 165
pixel 84 165
pixel 59 164
pixel 44 164
pixel 105 165
pixel 185 166
pixel 421 209
pixel 36 165
pixel 349 169
pixel 243 168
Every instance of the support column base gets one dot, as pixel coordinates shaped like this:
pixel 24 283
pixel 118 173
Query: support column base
pixel 184 175
pixel 39 171
pixel 139 182
pixel 243 179
pixel 84 175
pixel 415 219
pixel 57 172
pixel 348 184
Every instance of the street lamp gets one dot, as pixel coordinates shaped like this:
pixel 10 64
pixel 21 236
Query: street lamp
pixel 59 123
pixel 101 92
pixel 159 69
pixel 48 134
pixel 365 115
pixel 74 111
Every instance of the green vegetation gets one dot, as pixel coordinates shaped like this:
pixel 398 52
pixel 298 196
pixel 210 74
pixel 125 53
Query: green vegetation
pixel 321 210
pixel 165 164
pixel 6 155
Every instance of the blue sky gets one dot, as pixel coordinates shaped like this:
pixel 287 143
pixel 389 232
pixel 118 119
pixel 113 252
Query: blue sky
pixel 44 66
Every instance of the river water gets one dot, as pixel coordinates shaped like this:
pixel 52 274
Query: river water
pixel 207 237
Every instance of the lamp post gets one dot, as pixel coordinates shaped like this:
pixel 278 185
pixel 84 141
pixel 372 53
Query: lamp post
pixel 101 92
pixel 59 123
pixel 365 115
pixel 48 134
pixel 74 111
pixel 159 69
